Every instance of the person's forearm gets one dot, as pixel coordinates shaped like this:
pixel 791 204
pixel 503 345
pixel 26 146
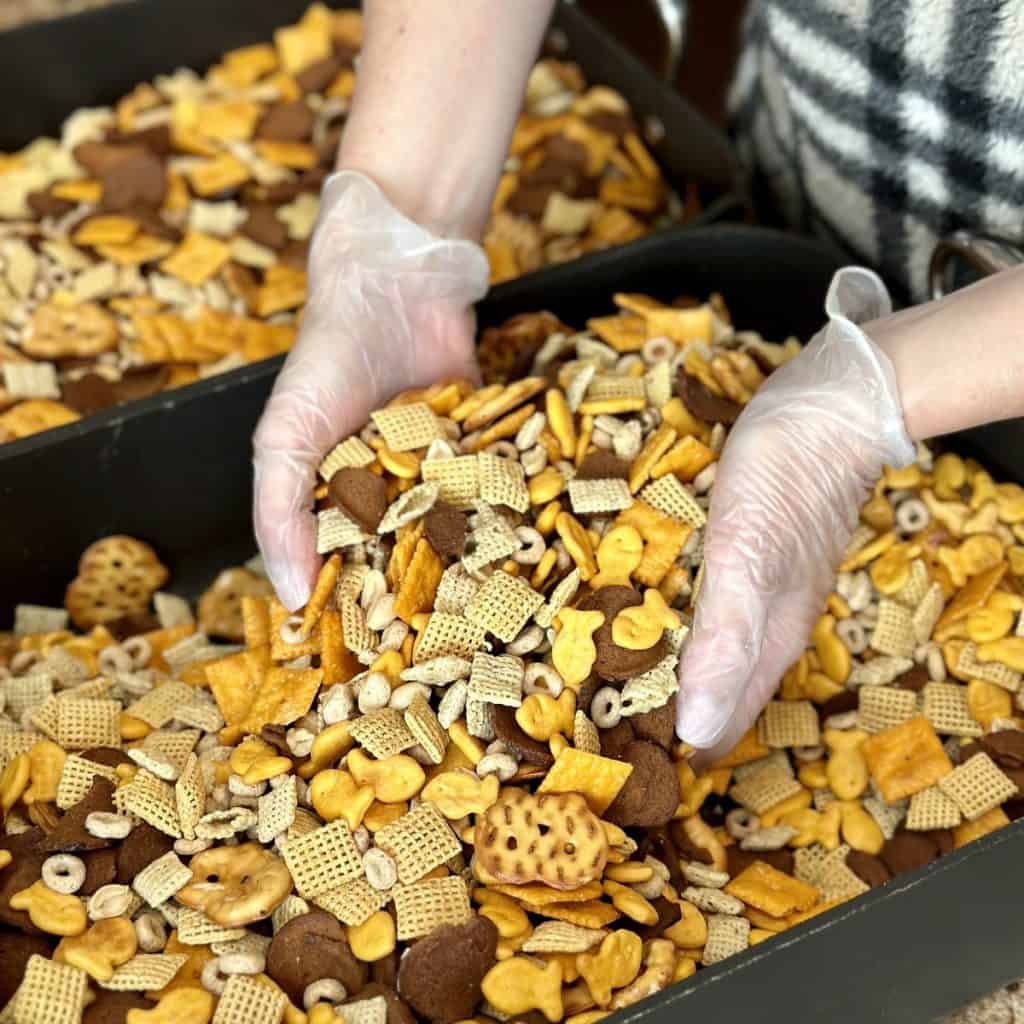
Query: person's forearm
pixel 439 86
pixel 959 361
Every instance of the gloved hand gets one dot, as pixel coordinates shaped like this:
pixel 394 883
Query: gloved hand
pixel 799 462
pixel 390 307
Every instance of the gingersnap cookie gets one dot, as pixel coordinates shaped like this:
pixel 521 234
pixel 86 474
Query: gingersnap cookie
pixel 143 845
pixel 445 527
pixel 440 976
pixel 650 795
pixel 657 726
pixel 308 948
pixel 361 495
pixel 602 465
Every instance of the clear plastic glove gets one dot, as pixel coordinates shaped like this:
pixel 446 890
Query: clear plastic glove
pixel 800 461
pixel 390 307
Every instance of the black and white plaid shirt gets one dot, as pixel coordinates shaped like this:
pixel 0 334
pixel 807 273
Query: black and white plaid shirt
pixel 885 124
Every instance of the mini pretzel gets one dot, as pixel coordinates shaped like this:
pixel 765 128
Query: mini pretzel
pixel 236 885
pixel 549 838
pixel 220 607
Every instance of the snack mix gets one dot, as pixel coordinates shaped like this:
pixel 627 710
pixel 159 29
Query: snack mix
pixel 448 788
pixel 164 239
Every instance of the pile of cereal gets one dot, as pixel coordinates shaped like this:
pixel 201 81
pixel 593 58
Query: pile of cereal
pixel 448 789
pixel 165 239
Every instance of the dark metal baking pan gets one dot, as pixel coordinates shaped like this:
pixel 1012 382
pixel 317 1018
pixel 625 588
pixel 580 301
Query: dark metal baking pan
pixel 174 470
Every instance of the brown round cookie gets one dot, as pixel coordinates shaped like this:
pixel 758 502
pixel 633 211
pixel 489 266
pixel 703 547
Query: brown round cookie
pixel 526 748
pixel 15 952
pixel 440 975
pixel 1005 748
pixel 907 851
pixel 869 869
pixel 139 178
pixel 264 227
pixel 445 527
pixel 88 394
pixel 651 793
pixel 25 868
pixel 668 914
pixel 70 835
pixel 143 845
pixel 658 726
pixel 113 1007
pixel 739 860
pixel 110 757
pixel 287 122
pixel 385 970
pixel 317 76
pixel 602 465
pixel 141 382
pixel 398 1011
pixel 100 870
pixel 615 740
pixel 361 495
pixel 702 403
pixel 615 663
pixel 310 947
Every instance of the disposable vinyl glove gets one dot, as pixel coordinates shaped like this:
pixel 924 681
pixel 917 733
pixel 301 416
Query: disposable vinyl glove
pixel 800 461
pixel 390 307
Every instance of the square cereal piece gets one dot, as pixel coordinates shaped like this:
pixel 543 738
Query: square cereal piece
pixel 769 890
pixel 352 453
pixel 945 706
pixel 382 733
pixel 30 380
pixel 489 542
pixel 671 498
pixel 196 929
pixel 50 992
pixel 726 936
pixel 145 972
pixel 894 630
pixel 419 841
pixel 503 482
pixel 449 635
pixel 292 907
pixel 354 902
pixel 480 720
pixel 426 905
pixel 764 789
pixel 912 593
pixel 426 730
pixel 276 810
pixel 906 758
pixel 37 618
pixel 838 882
pixel 562 937
pixel 322 860
pixel 172 610
pixel 335 530
pixel 364 1011
pixel 811 862
pixel 978 786
pixel 563 593
pixel 159 881
pixel 157 707
pixel 152 800
pixel 879 671
pixel 190 796
pixel 990 671
pixel 455 590
pixel 459 479
pixel 931 809
pixel 927 613
pixel 77 777
pixel 585 736
pixel 496 679
pixel 791 723
pixel 406 428
pixel 504 605
pixel 880 707
pixel 652 689
pixel 597 497
pixel 888 817
pixel 25 693
pixel 246 1000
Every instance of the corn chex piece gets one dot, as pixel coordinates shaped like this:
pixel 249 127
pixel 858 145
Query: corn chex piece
pixel 408 427
pixel 671 498
pixel 276 810
pixel 837 882
pixel 977 786
pixel 351 453
pixel 354 902
pixel 496 679
pixel 503 482
pixel 335 530
pixel 322 860
pixel 562 937
pixel 77 777
pixel 652 689
pixel 811 862
pixel 789 723
pixel 159 881
pixel 419 841
pixel 764 789
pixel 504 605
pixel 726 935
pixel 50 992
pixel 152 800
pixel 459 479
pixel 945 706
pixel 563 593
pixel 585 736
pixel 927 613
pixel 88 723
pixel 990 671
pixel 246 1000
pixel 880 707
pixel 894 631
pixel 428 732
pixel 425 905
pixel 449 635
pixel 879 671
pixel 196 929
pixel 382 733
pixel 145 972
pixel 931 809
pixel 596 497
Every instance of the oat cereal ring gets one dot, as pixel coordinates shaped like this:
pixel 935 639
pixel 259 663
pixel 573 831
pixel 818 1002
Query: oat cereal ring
pixel 236 885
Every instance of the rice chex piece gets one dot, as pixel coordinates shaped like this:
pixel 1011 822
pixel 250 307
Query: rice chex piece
pixel 382 733
pixel 597 497
pixel 491 541
pixel 879 671
pixel 811 862
pixel 158 707
pixel 172 610
pixel 449 635
pixel 894 631
pixel 292 907
pixel 504 605
pixel 764 790
pixel 430 903
pixel 612 386
pixel 30 380
pixel 88 723
pixel 791 723
pixel 145 972
pixel 726 936
pixel 364 1011
pixel 881 707
pixel 77 777
pixel 50 992
pixel 350 453
pixel 335 530
pixel 428 732
pixel 322 860
pixel 479 720
pixel 245 1000
pixel 406 428
pixel 158 882
pixel 652 689
pixel 276 810
pixel 927 613
pixel 658 383
pixel 978 786
pixel 562 937
pixel 838 882
pixel 914 590
pixel 152 800
pixel 459 479
pixel 994 672
pixel 712 900
pixel 38 618
pixel 888 817
pixel 419 841
pixel 190 796
pixel 563 593
pixel 496 679
pixel 503 482
pixel 931 809
pixel 196 929
pixel 671 498
pixel 945 706
pixel 455 590
pixel 24 693
pixel 354 902
pixel 585 736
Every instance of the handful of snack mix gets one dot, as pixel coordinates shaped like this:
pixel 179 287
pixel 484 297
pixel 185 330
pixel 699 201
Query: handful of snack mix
pixel 164 239
pixel 448 789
